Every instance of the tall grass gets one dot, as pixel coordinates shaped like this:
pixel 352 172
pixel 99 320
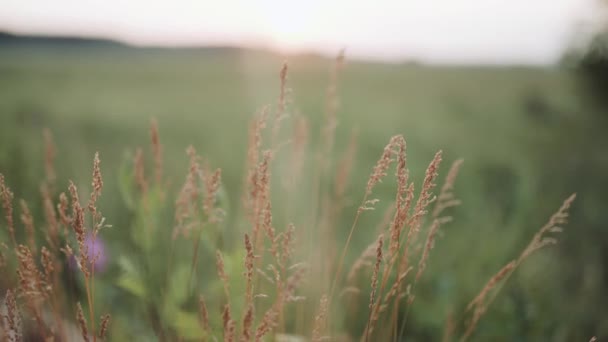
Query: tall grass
pixel 275 278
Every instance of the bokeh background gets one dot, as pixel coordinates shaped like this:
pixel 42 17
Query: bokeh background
pixel 517 89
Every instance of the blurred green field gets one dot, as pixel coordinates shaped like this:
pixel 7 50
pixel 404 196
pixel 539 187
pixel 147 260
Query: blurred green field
pixel 527 135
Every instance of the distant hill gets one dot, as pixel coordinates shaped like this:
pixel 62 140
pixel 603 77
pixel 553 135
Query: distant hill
pixel 9 40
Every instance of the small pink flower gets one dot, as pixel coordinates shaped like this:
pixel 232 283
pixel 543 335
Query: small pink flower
pixel 96 252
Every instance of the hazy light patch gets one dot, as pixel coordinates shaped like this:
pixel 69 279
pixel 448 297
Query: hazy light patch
pixel 456 31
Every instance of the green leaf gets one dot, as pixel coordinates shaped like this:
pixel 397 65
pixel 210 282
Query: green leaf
pixel 187 325
pixel 125 181
pixel 131 280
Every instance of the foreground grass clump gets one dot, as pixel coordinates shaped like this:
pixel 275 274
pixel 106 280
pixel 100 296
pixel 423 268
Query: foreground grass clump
pixel 190 267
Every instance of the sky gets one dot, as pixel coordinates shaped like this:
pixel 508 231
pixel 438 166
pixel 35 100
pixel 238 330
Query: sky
pixel 433 31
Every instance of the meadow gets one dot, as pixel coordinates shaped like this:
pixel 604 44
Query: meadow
pixel 526 135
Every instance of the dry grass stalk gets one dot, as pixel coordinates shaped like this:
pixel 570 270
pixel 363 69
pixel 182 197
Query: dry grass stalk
pixel 219 262
pixel 430 243
pixel 553 226
pixel 256 127
pixel 228 323
pixel 82 322
pixel 31 280
pixel 288 239
pixel 12 318
pixel 247 324
pixel 50 152
pixel 62 209
pixel 249 265
pixel 540 240
pixel 212 186
pixel 301 132
pixel 364 260
pixel 448 330
pixel 28 224
pixel 402 202
pixel 3 261
pixel 383 164
pixel 186 204
pixel 269 321
pixel 379 171
pixel 376 270
pixel 139 171
pixel 97 185
pixel 50 217
pixel 479 303
pixel 7 205
pixel 446 198
pixel 48 265
pixel 262 214
pixel 318 332
pixel 203 313
pixel 374 307
pixel 78 226
pixel 285 294
pixel 424 198
pixel 157 152
pixel 282 104
pixel 103 327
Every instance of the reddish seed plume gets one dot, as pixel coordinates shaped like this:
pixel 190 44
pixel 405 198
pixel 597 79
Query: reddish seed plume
pixel 383 164
pixel 12 316
pixel 247 324
pixel 222 273
pixel 228 324
pixel 287 245
pixel 62 209
pixel 97 185
pixel 253 151
pixel 372 297
pixel 7 204
pixel 282 104
pixel 268 323
pixel 78 226
pixel 186 204
pixel 373 306
pixel 48 264
pixel 212 186
pixel 425 197
pixel 203 314
pixel 318 331
pixel 105 323
pixel 31 283
pixel 82 322
pixel 156 152
pixel 249 260
pixel 402 204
